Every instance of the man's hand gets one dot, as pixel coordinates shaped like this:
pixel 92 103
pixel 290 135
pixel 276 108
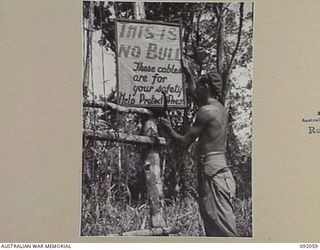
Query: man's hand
pixel 202 118
pixel 166 123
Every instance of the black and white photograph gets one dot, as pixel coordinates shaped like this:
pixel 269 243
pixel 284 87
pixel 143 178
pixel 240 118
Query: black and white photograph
pixel 167 119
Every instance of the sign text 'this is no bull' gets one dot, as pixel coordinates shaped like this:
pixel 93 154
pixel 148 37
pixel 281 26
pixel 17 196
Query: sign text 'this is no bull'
pixel 148 63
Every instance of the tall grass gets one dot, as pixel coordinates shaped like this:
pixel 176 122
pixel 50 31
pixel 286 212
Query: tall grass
pixel 243 214
pixel 103 217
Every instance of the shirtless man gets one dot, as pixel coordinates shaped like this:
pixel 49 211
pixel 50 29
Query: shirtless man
pixel 216 186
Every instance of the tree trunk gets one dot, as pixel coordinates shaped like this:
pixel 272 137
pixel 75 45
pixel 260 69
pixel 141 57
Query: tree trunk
pixel 228 67
pixel 139 10
pixel 224 65
pixel 221 56
pixel 88 30
pixel 220 37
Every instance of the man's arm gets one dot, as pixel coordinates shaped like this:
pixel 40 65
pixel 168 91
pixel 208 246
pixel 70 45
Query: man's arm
pixel 193 132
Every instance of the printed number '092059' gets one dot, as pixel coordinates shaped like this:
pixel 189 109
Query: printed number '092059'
pixel 309 246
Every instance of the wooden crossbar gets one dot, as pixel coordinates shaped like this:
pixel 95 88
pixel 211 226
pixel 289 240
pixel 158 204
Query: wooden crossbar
pixel 120 109
pixel 123 137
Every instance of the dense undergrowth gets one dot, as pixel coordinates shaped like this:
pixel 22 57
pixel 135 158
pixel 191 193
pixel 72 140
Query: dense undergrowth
pixel 103 217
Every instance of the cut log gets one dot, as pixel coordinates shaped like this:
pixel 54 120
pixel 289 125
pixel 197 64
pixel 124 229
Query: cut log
pixel 123 137
pixel 158 231
pixel 120 109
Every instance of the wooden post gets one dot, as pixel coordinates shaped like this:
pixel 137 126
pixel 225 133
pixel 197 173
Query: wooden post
pixel 153 176
pixel 151 156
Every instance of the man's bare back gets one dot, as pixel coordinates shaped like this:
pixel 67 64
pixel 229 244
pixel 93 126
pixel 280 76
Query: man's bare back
pixel 213 136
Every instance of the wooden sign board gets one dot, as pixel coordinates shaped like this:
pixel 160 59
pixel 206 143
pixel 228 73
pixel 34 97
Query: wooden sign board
pixel 148 57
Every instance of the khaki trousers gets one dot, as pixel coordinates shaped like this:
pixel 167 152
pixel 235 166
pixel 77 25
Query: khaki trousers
pixel 216 191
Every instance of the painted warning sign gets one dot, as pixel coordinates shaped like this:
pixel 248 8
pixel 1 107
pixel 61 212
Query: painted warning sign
pixel 149 63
